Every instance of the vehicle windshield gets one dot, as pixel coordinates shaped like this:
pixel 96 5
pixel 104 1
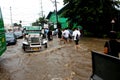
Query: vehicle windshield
pixel 9 35
pixel 18 32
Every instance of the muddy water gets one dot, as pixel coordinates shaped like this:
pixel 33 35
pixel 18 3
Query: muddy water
pixel 58 62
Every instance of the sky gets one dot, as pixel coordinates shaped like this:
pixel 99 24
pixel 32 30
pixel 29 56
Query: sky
pixel 27 11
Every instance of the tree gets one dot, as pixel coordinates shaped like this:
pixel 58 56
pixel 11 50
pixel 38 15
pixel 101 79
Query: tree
pixel 39 21
pixel 94 15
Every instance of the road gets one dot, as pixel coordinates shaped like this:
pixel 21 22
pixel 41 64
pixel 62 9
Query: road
pixel 58 62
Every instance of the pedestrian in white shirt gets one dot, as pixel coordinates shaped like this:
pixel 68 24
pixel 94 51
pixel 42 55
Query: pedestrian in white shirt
pixel 76 36
pixel 65 35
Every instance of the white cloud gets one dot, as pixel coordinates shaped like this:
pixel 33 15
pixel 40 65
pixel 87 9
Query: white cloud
pixel 26 10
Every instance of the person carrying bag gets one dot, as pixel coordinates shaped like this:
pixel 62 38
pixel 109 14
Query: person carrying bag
pixel 112 47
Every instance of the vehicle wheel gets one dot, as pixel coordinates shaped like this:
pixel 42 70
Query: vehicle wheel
pixel 46 45
pixel 23 47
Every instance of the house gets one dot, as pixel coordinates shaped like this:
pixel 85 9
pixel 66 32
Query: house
pixel 63 21
pixel 52 19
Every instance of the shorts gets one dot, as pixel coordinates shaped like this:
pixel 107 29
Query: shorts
pixel 76 42
pixel 65 38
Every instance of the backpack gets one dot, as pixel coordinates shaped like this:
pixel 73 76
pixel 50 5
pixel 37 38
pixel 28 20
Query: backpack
pixel 112 48
pixel 77 37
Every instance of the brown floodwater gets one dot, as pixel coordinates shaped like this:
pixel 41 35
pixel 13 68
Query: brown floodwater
pixel 58 62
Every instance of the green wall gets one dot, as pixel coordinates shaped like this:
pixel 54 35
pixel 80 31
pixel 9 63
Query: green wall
pixel 61 20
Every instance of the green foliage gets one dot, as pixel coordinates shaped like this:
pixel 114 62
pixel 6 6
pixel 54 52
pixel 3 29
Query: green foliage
pixel 118 35
pixel 15 24
pixel 87 34
pixel 104 36
pixel 39 21
pixel 89 13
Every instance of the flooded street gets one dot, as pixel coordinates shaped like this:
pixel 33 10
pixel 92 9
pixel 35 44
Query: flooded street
pixel 58 62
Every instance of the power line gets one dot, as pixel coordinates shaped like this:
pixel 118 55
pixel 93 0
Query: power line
pixel 52 1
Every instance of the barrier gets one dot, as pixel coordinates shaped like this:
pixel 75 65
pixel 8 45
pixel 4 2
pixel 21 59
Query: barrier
pixel 105 67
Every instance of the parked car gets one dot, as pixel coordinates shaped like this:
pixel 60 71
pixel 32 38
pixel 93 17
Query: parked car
pixel 18 34
pixel 10 38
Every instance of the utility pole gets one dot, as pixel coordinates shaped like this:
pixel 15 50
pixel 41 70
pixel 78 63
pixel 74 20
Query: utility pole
pixel 41 9
pixel 11 17
pixel 55 4
pixel 56 13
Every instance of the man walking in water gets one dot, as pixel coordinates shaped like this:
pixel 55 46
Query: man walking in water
pixel 76 36
pixel 65 35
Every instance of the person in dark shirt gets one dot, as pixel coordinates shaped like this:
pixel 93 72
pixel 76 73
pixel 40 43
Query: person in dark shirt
pixel 59 33
pixel 112 47
pixel 49 35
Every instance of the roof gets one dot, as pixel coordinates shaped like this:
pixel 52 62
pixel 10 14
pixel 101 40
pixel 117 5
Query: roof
pixel 48 16
pixel 33 27
pixel 59 12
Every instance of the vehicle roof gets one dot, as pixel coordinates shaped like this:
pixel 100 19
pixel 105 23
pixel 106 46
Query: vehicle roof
pixel 33 27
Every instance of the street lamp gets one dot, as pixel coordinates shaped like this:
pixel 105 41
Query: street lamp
pixel 113 22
